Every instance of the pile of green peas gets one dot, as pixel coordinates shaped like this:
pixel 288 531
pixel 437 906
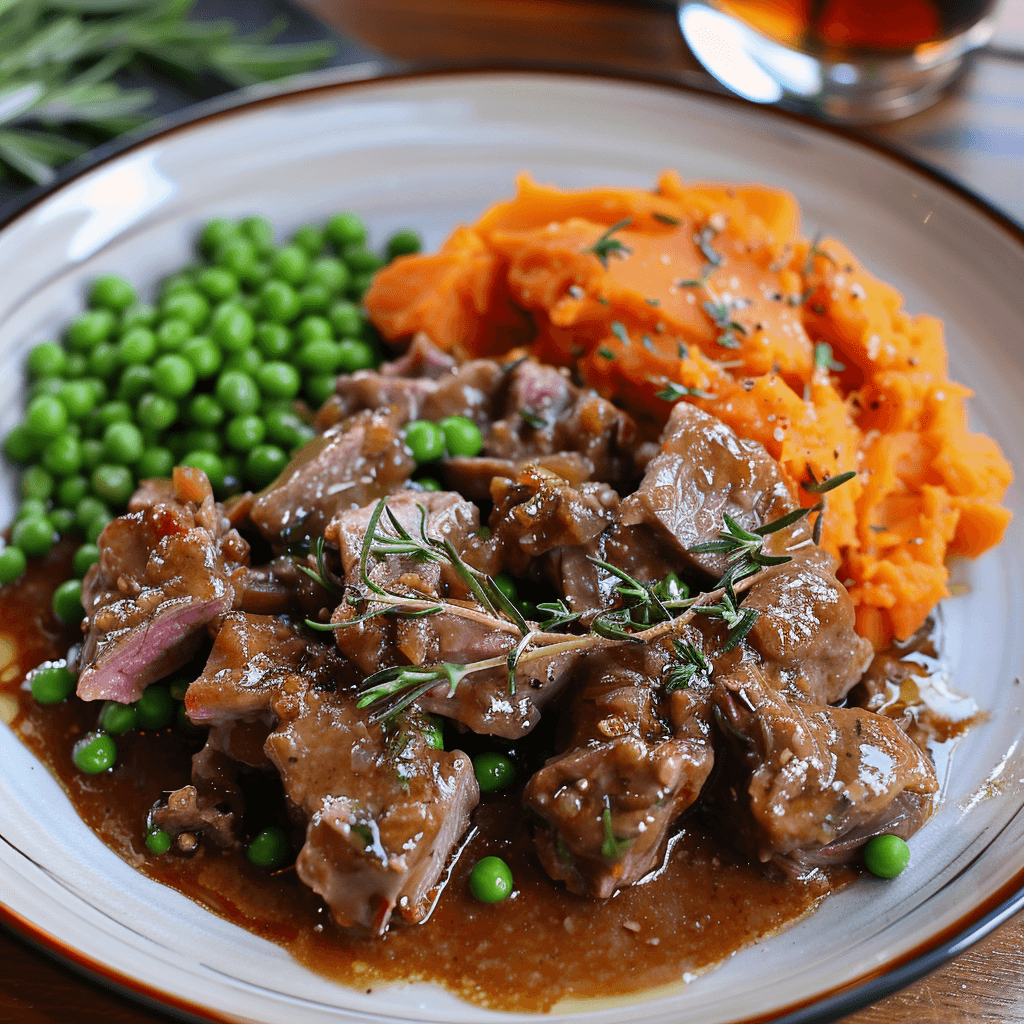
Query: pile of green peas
pixel 218 373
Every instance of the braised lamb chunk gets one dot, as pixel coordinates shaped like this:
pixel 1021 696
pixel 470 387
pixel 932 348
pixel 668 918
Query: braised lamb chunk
pixel 810 775
pixel 383 809
pixel 163 576
pixel 358 460
pixel 462 632
pixel 637 758
pixel 702 473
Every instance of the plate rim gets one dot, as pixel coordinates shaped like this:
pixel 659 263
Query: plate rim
pixel 827 1009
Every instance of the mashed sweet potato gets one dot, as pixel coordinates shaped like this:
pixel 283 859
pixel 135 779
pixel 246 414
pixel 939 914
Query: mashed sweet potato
pixel 706 293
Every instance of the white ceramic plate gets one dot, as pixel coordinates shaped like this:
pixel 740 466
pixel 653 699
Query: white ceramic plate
pixel 428 152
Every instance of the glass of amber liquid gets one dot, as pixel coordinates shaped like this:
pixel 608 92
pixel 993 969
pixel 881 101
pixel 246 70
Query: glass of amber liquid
pixel 849 61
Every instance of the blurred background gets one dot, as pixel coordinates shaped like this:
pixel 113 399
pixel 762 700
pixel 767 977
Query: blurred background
pixel 68 81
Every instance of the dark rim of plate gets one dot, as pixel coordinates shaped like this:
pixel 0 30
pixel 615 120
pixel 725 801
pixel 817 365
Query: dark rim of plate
pixel 820 1009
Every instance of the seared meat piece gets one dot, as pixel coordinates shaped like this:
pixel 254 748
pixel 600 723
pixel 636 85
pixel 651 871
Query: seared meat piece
pixel 805 628
pixel 464 632
pixel 637 759
pixel 358 460
pixel 211 806
pixel 164 574
pixel 702 472
pixel 383 810
pixel 813 776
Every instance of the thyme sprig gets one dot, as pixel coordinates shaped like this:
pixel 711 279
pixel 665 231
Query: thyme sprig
pixel 607 246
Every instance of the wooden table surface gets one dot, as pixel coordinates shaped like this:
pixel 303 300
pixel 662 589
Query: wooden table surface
pixel 976 134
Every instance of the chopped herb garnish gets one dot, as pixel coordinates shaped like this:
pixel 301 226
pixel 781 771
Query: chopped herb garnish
pixel 620 332
pixel 577 292
pixel 664 218
pixel 703 241
pixel 648 343
pixel 607 353
pixel 652 302
pixel 535 421
pixel 672 392
pixel 823 358
pixel 613 846
pixel 607 246
pixel 816 250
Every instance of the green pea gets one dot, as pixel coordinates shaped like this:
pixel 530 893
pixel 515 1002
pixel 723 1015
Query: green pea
pixel 72 489
pixel 137 346
pixel 204 355
pixel 355 355
pixel 425 440
pixel 178 688
pixel 345 229
pixel 886 856
pixel 290 264
pixel 278 380
pixel 232 327
pixel 345 319
pixel 87 330
pixel 490 881
pixel 237 255
pixel 174 283
pixel 493 771
pixel 89 508
pixel 315 298
pixel 210 463
pixel 205 411
pixel 403 243
pixel 37 482
pixel 21 445
pixel 52 684
pixel 92 453
pixel 273 340
pixel 461 436
pixel 319 355
pixel 139 315
pixel 216 233
pixel 362 261
pixel 232 473
pixel 84 559
pixel 283 427
pixel 314 328
pixel 260 232
pixel 47 360
pixel 172 334
pixel 78 398
pixel 112 292
pixel 118 718
pixel 320 387
pixel 113 483
pixel 264 463
pixel 157 412
pixel 32 508
pixel 237 392
pixel 279 302
pixel 158 841
pixel 196 440
pixel 95 527
pixel 507 586
pixel 269 849
pixel 46 417
pixel 190 306
pixel 77 366
pixel 134 383
pixel 360 283
pixel 94 753
pixel 243 433
pixel 12 564
pixel 34 535
pixel 248 361
pixel 67 602
pixel 155 707
pixel 46 386
pixel 63 455
pixel 156 462
pixel 62 520
pixel 117 411
pixel 123 444
pixel 331 273
pixel 310 238
pixel 173 376
pixel 104 360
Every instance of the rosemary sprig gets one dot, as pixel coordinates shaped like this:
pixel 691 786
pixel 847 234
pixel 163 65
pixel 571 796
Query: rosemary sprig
pixel 607 246
pixel 613 847
pixel 691 663
pixel 740 621
pixel 664 218
pixel 321 574
pixel 828 484
pixel 407 683
pixel 58 93
pixel 558 615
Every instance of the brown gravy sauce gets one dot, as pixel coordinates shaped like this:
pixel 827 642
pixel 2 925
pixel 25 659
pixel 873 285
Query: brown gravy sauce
pixel 540 947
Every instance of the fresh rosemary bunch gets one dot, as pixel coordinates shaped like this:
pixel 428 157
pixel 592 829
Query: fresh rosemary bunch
pixel 59 58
